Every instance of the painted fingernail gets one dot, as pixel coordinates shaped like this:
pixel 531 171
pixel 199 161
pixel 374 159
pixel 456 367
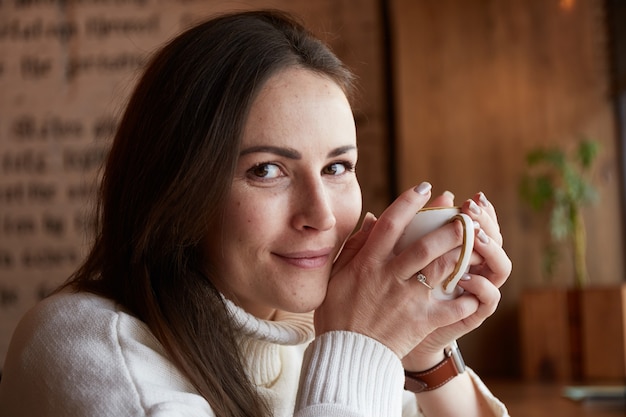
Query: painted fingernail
pixel 423 188
pixel 474 207
pixel 368 222
pixel 466 277
pixel 482 236
pixel 449 195
pixel 483 200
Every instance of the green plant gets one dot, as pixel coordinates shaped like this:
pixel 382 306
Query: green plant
pixel 559 182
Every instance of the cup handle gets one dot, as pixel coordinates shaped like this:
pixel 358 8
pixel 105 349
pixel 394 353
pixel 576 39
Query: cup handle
pixel 448 290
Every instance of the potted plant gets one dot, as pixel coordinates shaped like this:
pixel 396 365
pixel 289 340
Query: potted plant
pixel 559 182
pixel 568 332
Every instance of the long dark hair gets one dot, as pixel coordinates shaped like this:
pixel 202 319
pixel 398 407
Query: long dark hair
pixel 170 166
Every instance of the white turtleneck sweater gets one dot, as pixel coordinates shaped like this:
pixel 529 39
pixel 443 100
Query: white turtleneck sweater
pixel 82 355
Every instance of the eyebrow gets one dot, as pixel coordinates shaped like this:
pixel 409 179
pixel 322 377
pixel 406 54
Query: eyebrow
pixel 292 153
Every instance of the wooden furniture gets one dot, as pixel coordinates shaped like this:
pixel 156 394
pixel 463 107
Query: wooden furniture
pixel 574 334
pixel 547 400
pixel 603 322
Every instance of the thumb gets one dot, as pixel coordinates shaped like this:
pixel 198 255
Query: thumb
pixel 355 242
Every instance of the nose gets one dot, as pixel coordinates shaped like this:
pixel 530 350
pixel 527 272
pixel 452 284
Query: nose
pixel 314 207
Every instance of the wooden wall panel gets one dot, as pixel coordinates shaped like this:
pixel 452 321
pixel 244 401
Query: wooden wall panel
pixel 479 83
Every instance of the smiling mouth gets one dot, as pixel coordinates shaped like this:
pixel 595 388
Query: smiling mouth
pixel 306 260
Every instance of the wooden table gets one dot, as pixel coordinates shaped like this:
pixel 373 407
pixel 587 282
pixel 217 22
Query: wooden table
pixel 546 400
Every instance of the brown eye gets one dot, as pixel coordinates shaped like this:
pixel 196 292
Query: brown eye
pixel 266 171
pixel 337 168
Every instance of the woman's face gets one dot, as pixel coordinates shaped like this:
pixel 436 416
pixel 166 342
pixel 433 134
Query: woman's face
pixel 294 198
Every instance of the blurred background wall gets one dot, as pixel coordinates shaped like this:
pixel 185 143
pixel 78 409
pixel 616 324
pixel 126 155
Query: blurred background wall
pixel 453 92
pixel 479 83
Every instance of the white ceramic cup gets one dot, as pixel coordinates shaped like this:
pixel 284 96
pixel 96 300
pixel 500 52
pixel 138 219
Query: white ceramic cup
pixel 428 220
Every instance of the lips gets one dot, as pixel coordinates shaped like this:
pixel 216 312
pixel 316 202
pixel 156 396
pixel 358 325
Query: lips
pixel 306 259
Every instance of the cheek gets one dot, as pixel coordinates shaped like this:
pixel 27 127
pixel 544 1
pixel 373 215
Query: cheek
pixel 350 206
pixel 240 217
pixel 247 219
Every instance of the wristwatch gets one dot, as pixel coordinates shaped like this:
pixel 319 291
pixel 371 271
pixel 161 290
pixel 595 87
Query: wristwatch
pixel 439 374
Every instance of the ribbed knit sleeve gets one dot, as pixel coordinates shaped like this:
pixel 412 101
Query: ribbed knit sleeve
pixel 348 374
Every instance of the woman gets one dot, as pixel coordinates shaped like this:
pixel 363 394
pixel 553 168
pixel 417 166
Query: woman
pixel 226 206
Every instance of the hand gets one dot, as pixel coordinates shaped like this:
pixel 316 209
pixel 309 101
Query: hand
pixel 486 275
pixel 371 290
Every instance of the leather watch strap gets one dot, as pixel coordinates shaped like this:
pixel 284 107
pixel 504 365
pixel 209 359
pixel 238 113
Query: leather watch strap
pixel 438 375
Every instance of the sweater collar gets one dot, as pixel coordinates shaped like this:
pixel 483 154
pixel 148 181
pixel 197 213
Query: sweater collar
pixel 260 340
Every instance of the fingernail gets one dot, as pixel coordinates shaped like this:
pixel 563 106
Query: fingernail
pixel 449 194
pixel 474 207
pixel 423 188
pixel 368 222
pixel 476 225
pixel 466 277
pixel 482 236
pixel 483 200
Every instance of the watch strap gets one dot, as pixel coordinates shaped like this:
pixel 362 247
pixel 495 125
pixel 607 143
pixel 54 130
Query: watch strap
pixel 438 375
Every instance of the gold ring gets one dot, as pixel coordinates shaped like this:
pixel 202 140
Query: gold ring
pixel 422 279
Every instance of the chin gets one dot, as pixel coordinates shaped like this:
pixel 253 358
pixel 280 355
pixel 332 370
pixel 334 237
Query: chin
pixel 306 305
pixel 305 309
